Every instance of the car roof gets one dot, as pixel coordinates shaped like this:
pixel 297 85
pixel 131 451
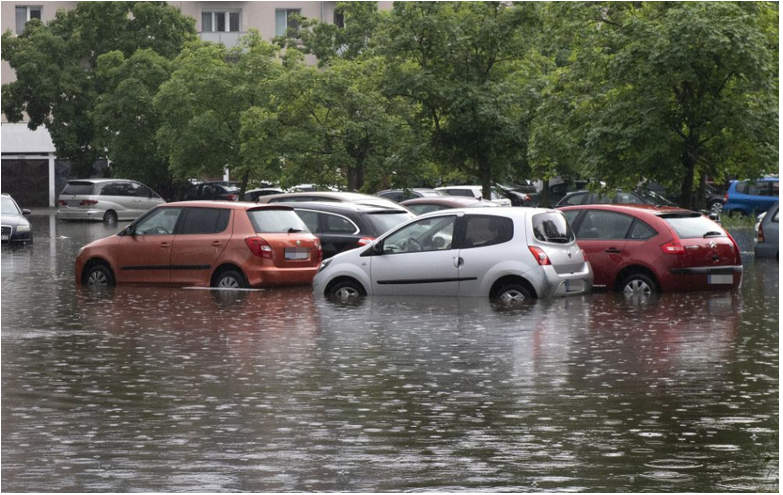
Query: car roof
pixel 453 201
pixel 101 181
pixel 335 206
pixel 629 208
pixel 500 211
pixel 226 205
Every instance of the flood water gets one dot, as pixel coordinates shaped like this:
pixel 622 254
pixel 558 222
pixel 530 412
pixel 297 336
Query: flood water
pixel 155 389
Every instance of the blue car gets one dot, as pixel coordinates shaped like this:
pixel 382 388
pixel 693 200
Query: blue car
pixel 750 196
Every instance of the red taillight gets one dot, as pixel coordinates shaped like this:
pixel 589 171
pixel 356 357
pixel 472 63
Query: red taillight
pixel 63 203
pixel 540 255
pixel 365 240
pixel 319 253
pixel 259 247
pixel 673 247
pixel 232 197
pixel 87 202
pixel 761 233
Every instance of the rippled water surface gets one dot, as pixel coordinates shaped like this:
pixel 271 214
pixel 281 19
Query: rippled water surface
pixel 155 389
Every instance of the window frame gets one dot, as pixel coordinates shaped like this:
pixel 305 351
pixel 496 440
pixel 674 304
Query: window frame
pixel 28 10
pixel 287 17
pixel 226 13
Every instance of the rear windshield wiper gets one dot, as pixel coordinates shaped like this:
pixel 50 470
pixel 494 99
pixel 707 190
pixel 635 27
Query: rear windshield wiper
pixel 292 230
pixel 712 233
pixel 562 240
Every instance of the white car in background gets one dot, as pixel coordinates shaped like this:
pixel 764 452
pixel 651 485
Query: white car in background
pixel 506 254
pixel 475 192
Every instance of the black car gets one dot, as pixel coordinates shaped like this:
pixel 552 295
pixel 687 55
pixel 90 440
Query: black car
pixel 344 226
pixel 223 190
pixel 15 227
pixel 638 196
pixel 399 195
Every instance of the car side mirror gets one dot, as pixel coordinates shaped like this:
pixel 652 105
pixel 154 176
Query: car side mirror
pixel 129 230
pixel 25 211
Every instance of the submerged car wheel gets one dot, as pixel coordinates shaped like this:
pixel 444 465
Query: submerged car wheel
pixel 110 217
pixel 346 290
pixel 638 284
pixel 99 277
pixel 513 294
pixel 229 279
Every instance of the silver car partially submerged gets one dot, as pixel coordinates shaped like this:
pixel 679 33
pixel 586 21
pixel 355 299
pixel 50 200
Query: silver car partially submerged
pixel 107 200
pixel 506 254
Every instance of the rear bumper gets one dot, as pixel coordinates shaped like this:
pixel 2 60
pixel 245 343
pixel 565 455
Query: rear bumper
pixel 79 214
pixel 272 276
pixel 703 278
pixel 766 250
pixel 567 284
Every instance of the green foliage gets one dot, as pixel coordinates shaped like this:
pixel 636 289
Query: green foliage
pixel 55 67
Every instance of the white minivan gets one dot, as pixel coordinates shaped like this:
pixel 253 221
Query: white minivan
pixel 107 200
pixel 506 254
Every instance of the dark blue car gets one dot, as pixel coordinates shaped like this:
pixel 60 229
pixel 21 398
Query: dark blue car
pixel 750 196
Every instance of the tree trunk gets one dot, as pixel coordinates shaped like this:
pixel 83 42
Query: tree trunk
pixel 485 169
pixel 689 158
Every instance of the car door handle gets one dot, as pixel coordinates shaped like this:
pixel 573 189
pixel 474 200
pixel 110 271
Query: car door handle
pixel 613 251
pixel 217 243
pixel 458 262
pixel 165 245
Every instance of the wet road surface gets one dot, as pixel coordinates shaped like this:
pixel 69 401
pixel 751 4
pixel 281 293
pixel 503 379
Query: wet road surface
pixel 166 389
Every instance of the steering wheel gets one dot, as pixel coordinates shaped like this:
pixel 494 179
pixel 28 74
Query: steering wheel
pixel 160 230
pixel 413 245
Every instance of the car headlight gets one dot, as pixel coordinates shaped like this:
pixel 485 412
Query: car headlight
pixel 324 264
pixel 23 227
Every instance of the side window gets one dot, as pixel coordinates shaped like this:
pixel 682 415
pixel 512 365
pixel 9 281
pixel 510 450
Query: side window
pixel 576 199
pixel 486 230
pixel 641 231
pixel 628 198
pixel 142 191
pixel 205 221
pixel 430 234
pixel 160 222
pixel 604 225
pixel 571 216
pixel 338 225
pixel 743 187
pixel 310 218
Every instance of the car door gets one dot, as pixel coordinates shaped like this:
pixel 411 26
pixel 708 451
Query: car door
pixel 337 233
pixel 143 253
pixel 483 244
pixel 602 236
pixel 146 198
pixel 201 237
pixel 418 260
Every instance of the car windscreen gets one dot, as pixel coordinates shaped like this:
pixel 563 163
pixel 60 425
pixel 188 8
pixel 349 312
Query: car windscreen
pixel 9 207
pixel 272 220
pixel 384 221
pixel 552 226
pixel 79 188
pixel 693 225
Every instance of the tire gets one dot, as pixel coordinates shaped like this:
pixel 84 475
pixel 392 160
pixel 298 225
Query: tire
pixel 98 276
pixel 229 279
pixel 638 284
pixel 513 294
pixel 716 207
pixel 346 290
pixel 110 217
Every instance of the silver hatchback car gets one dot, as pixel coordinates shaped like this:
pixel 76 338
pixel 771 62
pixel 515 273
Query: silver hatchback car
pixel 506 254
pixel 107 200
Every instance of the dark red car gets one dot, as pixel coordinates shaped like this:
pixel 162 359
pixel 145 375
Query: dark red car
pixel 641 249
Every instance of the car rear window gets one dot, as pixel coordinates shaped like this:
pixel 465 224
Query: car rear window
pixel 552 227
pixel 269 220
pixel 693 225
pixel 79 188
pixel 384 221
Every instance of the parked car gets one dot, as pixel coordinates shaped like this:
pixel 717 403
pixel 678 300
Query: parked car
pixel 344 226
pixel 107 200
pixel 15 227
pixel 475 192
pixel 399 195
pixel 205 243
pixel 767 234
pixel 337 197
pixel 254 194
pixel 748 196
pixel 636 197
pixel 643 249
pixel 421 206
pixel 506 254
pixel 714 196
pixel 215 191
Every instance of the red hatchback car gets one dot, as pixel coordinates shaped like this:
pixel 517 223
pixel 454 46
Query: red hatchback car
pixel 205 243
pixel 640 249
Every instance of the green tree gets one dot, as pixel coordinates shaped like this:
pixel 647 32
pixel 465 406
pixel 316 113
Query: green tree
pixel 468 67
pixel 55 66
pixel 672 92
pixel 125 119
pixel 203 103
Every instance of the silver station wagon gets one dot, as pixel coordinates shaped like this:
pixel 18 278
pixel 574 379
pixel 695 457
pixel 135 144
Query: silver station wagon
pixel 107 200
pixel 506 254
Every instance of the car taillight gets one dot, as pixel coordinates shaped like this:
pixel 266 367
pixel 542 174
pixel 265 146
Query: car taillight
pixel 87 202
pixel 673 247
pixel 761 233
pixel 319 253
pixel 540 255
pixel 232 197
pixel 259 247
pixel 365 240
pixel 63 202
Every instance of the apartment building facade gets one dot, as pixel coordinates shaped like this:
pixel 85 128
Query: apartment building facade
pixel 31 171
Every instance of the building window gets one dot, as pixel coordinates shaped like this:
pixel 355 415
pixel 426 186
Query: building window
pixel 339 19
pixel 24 14
pixel 284 19
pixel 219 21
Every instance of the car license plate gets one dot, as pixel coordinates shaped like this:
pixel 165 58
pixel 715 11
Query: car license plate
pixel 297 253
pixel 6 237
pixel 574 285
pixel 720 279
